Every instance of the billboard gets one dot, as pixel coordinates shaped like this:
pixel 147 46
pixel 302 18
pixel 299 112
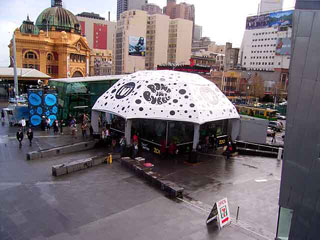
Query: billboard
pixel 137 46
pixel 283 47
pixel 275 20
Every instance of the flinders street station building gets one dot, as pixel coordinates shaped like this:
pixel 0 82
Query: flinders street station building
pixel 53 45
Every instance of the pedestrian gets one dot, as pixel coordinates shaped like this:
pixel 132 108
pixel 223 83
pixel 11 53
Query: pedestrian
pixel 273 140
pixel 23 124
pixel 48 126
pixel 91 130
pixel 43 123
pixel 2 117
pixel 135 149
pixel 20 137
pixel 108 137
pixel 84 128
pixel 229 149
pixel 135 138
pixel 30 136
pixel 61 127
pixel 73 127
pixel 123 144
pixel 55 127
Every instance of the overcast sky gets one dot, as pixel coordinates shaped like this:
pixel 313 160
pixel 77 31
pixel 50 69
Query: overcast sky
pixel 222 21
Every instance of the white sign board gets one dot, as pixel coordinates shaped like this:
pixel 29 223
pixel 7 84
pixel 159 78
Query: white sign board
pixel 223 212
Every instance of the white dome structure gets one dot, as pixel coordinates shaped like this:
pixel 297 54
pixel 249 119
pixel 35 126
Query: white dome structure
pixel 166 95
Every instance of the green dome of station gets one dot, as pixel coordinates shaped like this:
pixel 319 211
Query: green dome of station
pixel 59 18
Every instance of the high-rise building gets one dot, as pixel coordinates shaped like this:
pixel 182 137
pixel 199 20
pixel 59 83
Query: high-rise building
pixel 180 38
pixel 205 44
pixel 197 33
pixel 266 45
pixel 299 213
pixel 129 51
pixel 145 41
pixel 157 40
pixel 151 8
pixel 97 30
pixel 182 10
pixel 125 5
pixel 231 57
pixel 270 6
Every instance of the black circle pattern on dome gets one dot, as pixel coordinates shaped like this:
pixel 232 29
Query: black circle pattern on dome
pixel 167 95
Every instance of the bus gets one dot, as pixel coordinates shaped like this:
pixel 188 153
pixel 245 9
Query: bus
pixel 265 113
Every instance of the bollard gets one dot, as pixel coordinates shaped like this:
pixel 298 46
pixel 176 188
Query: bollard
pixel 280 153
pixel 238 213
pixel 110 159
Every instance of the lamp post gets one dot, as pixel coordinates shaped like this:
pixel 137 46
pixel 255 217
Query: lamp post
pixel 248 88
pixel 16 88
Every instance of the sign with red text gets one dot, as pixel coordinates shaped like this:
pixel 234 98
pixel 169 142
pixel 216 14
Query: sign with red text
pixel 223 212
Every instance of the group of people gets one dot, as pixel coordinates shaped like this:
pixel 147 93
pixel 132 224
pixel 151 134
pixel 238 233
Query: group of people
pixel 20 136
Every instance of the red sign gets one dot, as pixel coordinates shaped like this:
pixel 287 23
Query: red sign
pixel 100 32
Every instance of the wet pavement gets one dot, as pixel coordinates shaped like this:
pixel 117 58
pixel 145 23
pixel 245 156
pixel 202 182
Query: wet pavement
pixel 109 202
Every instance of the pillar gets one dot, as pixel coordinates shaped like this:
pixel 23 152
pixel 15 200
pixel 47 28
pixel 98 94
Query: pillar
pixel 196 136
pixel 128 131
pixel 95 121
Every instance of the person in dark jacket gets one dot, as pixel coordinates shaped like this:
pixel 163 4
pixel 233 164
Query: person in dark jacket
pixel 30 136
pixel 20 137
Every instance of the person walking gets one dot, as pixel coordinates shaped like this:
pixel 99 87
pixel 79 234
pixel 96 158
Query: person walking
pixel 30 136
pixel 48 124
pixel 84 128
pixel 20 137
pixel 73 126
pixel 273 140
pixel 123 144
pixel 55 127
pixel 23 124
pixel 229 149
pixel 2 117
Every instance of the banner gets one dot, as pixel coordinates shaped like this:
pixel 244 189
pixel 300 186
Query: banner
pixel 137 46
pixel 220 213
pixel 269 20
pixel 283 47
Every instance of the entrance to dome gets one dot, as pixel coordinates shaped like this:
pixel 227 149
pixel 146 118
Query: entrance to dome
pixel 77 74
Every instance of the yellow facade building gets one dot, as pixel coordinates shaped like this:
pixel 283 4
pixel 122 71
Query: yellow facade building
pixel 53 45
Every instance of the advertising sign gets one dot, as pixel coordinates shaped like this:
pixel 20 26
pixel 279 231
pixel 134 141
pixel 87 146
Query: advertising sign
pixel 220 213
pixel 223 212
pixel 283 47
pixel 280 19
pixel 275 20
pixel 137 46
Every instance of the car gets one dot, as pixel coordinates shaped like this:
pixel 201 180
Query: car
pixel 270 132
pixel 274 125
pixel 280 117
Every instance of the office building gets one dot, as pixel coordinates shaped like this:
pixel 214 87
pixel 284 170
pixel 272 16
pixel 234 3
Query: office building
pixel 299 213
pixel 266 45
pixel 152 9
pixel 266 6
pixel 182 10
pixel 180 38
pixel 231 57
pixel 125 5
pixel 157 40
pixel 197 33
pixel 130 42
pixel 98 31
pixel 100 62
pixel 205 44
pixel 53 45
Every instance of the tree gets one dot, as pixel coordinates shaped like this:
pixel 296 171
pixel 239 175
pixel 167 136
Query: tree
pixel 256 88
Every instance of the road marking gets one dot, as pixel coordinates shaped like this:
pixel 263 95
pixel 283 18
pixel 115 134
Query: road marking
pixel 261 180
pixel 52 183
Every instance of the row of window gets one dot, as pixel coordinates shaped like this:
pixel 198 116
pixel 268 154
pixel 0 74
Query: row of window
pixel 266 45
pixel 263 57
pixel 270 51
pixel 32 55
pixel 264 33
pixel 262 63
pixel 266 39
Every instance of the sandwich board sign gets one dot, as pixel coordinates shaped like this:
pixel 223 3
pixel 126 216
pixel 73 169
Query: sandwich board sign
pixel 220 213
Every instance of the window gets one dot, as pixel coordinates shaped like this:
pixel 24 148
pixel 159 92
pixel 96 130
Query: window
pixel 284 223
pixel 50 57
pixel 30 55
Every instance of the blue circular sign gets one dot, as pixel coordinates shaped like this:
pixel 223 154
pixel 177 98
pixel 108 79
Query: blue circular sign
pixel 39 110
pixel 52 119
pixel 35 120
pixel 34 99
pixel 47 113
pixel 40 93
pixel 50 100
pixel 31 112
pixel 55 110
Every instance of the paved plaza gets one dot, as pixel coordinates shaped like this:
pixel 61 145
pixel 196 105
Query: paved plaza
pixel 110 202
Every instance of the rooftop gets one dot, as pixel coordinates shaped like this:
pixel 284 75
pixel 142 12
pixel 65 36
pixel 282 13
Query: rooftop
pixel 22 73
